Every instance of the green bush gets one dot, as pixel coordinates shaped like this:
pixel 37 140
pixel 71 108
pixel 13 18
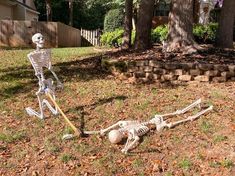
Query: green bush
pixel 202 34
pixel 115 38
pixel 205 33
pixel 112 38
pixel 159 34
pixel 113 20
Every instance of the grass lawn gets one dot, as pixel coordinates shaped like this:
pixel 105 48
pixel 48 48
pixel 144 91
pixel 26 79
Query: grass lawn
pixel 29 146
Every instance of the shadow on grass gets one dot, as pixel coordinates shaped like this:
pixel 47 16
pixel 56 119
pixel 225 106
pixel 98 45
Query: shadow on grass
pixel 16 89
pixel 86 69
pixel 149 150
pixel 82 111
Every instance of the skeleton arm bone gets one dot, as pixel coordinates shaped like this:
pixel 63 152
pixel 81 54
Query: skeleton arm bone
pixel 103 131
pixel 59 84
pixel 132 141
pixel 114 126
pixel 121 124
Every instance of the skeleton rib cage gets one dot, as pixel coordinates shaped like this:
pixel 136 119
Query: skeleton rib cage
pixel 140 128
pixel 39 60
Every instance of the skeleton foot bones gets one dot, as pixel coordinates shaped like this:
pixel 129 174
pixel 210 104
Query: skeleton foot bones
pixel 133 130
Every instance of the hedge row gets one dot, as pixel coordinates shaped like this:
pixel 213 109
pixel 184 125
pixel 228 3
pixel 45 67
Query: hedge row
pixel 202 34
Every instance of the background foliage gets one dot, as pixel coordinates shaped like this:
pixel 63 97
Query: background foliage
pixel 205 33
pixel 86 14
pixel 113 20
pixel 201 33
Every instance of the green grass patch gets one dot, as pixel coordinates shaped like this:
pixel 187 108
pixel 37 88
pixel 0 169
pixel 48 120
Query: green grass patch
pixel 206 127
pixel 185 164
pixel 226 163
pixel 219 138
pixel 65 158
pixel 168 174
pixel 10 136
pixel 138 163
pixel 51 145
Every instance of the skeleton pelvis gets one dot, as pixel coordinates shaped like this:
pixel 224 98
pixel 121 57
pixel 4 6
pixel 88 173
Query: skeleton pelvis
pixel 49 83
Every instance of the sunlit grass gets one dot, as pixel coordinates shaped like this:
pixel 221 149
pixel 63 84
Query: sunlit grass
pixel 10 136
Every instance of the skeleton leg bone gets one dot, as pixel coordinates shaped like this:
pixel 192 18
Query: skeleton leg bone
pixel 32 112
pixel 132 141
pixel 54 110
pixel 190 118
pixel 182 111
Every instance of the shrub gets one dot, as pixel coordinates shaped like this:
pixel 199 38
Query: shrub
pixel 159 34
pixel 202 34
pixel 205 33
pixel 113 20
pixel 112 38
pixel 115 38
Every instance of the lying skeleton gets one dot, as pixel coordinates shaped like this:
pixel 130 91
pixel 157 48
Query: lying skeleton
pixel 133 130
pixel 40 59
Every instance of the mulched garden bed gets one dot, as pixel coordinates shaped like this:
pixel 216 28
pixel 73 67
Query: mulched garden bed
pixel 209 64
pixel 208 54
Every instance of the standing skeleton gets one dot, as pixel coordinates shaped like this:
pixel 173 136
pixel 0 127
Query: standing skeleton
pixel 40 58
pixel 133 130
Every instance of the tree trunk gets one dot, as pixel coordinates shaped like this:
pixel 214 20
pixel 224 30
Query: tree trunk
pixel 134 18
pixel 128 24
pixel 71 12
pixel 144 25
pixel 180 35
pixel 226 24
pixel 48 9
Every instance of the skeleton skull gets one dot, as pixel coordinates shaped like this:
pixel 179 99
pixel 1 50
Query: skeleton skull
pixel 115 136
pixel 38 39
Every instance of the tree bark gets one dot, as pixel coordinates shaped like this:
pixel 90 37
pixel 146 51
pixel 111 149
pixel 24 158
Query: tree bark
pixel 134 17
pixel 180 35
pixel 128 24
pixel 48 9
pixel 226 24
pixel 144 25
pixel 71 12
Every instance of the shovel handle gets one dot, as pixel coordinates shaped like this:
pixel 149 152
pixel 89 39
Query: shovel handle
pixel 64 116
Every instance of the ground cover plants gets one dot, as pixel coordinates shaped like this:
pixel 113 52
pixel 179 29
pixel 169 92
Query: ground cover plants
pixel 97 99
